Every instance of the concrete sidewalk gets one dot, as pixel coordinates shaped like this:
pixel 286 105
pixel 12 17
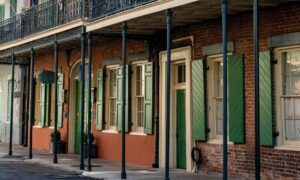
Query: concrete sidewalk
pixel 101 169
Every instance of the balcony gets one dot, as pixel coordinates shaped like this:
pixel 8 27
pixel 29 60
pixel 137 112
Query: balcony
pixel 104 8
pixel 39 18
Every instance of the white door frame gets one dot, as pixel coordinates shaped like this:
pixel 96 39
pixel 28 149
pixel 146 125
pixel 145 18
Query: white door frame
pixel 178 55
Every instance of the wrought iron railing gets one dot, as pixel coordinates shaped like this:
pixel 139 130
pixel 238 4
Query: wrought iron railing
pixel 39 18
pixel 103 8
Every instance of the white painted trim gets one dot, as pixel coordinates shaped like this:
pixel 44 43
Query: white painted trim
pixel 147 9
pixel 183 55
pixel 42 34
pixel 110 131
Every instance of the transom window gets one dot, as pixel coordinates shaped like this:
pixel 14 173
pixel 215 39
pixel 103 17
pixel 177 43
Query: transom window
pixel 112 98
pixel 290 66
pixel 181 77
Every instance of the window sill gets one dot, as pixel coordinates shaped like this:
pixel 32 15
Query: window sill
pixel 37 127
pixel 51 127
pixel 138 134
pixel 218 141
pixel 110 131
pixel 287 147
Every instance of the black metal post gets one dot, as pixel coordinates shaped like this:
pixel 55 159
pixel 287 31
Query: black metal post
pixel 168 74
pixel 83 33
pixel 55 102
pixel 31 106
pixel 89 101
pixel 156 160
pixel 257 112
pixel 224 35
pixel 13 57
pixel 124 38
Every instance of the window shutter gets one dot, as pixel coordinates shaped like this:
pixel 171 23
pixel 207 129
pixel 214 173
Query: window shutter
pixel 265 99
pixel 148 101
pixel 100 88
pixel 236 98
pixel 47 104
pixel 60 102
pixel 119 99
pixel 2 9
pixel 199 101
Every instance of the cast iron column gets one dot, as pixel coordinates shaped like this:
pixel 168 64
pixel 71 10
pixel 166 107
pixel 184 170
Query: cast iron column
pixel 89 101
pixel 124 38
pixel 83 33
pixel 224 34
pixel 257 112
pixel 13 57
pixel 31 106
pixel 168 74
pixel 55 101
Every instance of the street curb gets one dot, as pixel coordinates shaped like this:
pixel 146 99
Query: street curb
pixel 55 166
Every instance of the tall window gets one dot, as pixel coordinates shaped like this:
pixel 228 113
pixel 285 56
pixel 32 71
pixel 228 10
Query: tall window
pixel 112 98
pixel 218 96
pixel 139 97
pixel 290 66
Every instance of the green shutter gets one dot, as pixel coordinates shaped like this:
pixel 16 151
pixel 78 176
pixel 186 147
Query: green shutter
pixel 236 98
pixel 2 9
pixel 265 100
pixel 199 101
pixel 119 99
pixel 99 105
pixel 60 103
pixel 148 104
pixel 47 104
pixel 42 103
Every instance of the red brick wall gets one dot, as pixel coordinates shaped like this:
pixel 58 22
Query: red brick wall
pixel 139 149
pixel 274 21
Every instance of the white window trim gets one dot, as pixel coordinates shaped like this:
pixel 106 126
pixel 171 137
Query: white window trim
pixel 281 142
pixel 108 128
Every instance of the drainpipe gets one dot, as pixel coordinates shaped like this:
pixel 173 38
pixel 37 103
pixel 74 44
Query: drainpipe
pixel 55 101
pixel 169 15
pixel 31 96
pixel 13 57
pixel 257 112
pixel 224 34
pixel 124 38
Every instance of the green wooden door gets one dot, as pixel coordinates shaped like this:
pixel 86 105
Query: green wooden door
pixel 181 138
pixel 77 120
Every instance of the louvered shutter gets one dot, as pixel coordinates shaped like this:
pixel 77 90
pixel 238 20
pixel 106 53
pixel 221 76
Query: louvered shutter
pixel 99 105
pixel 265 100
pixel 119 99
pixel 199 101
pixel 148 101
pixel 60 102
pixel 236 98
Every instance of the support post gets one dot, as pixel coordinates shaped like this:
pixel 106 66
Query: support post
pixel 224 35
pixel 31 101
pixel 83 33
pixel 13 57
pixel 169 15
pixel 124 38
pixel 89 100
pixel 55 102
pixel 257 112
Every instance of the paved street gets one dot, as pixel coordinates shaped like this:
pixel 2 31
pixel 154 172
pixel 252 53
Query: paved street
pixel 16 169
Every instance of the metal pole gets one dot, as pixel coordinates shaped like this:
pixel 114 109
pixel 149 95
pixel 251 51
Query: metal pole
pixel 83 33
pixel 257 112
pixel 31 100
pixel 169 14
pixel 124 38
pixel 55 101
pixel 89 101
pixel 12 103
pixel 224 34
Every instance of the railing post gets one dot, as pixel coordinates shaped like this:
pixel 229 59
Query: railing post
pixel 12 103
pixel 31 111
pixel 124 43
pixel 169 15
pixel 224 35
pixel 89 100
pixel 55 101
pixel 83 34
pixel 257 95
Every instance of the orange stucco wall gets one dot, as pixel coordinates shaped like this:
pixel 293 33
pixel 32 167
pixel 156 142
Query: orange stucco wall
pixel 139 149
